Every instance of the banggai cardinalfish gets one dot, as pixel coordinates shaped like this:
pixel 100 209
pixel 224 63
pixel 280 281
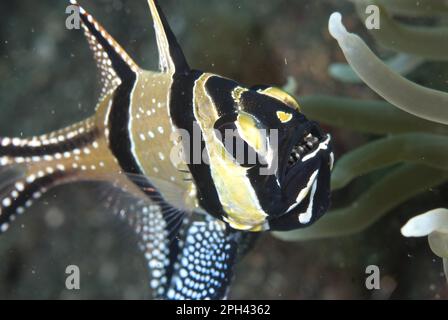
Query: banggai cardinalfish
pixel 194 219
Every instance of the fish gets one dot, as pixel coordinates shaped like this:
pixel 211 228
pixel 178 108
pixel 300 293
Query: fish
pixel 204 163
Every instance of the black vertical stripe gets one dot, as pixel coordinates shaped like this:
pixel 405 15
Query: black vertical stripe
pixel 119 117
pixel 182 114
pixel 267 190
pixel 120 66
pixel 220 90
pixel 120 144
pixel 120 141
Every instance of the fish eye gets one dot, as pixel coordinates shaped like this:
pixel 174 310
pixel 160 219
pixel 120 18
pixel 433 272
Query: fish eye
pixel 279 95
pixel 225 120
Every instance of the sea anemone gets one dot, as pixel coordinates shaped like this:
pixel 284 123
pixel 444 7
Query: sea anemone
pixel 413 120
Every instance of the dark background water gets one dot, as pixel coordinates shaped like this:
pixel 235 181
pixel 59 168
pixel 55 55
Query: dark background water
pixel 48 80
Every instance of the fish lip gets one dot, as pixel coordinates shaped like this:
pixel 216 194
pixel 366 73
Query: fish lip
pixel 289 217
pixel 293 208
pixel 308 190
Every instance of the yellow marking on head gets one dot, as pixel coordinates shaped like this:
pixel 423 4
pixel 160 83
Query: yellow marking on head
pixel 236 95
pixel 238 226
pixel 282 96
pixel 284 117
pixel 247 127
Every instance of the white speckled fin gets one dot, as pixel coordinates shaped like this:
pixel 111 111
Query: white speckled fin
pixel 128 206
pixel 113 63
pixel 189 255
pixel 187 260
pixel 158 227
pixel 31 166
pixel 204 265
pixel 172 193
pixel 10 177
pixel 20 187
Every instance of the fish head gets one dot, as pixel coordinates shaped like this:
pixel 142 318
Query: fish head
pixel 270 165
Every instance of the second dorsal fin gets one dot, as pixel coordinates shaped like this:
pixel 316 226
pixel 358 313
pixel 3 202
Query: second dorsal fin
pixel 171 57
pixel 113 62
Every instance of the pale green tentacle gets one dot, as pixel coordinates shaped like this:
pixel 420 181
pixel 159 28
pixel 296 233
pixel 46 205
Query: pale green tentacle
pixel 401 63
pixel 427 42
pixel 424 149
pixel 420 101
pixel 367 116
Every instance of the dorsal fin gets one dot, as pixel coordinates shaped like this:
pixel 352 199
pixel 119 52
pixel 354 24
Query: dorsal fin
pixel 113 62
pixel 171 57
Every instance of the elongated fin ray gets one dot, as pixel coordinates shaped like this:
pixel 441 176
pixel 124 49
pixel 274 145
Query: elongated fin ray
pixel 171 191
pixel 30 167
pixel 16 197
pixel 186 259
pixel 114 64
pixel 127 205
pixel 171 57
pixel 158 227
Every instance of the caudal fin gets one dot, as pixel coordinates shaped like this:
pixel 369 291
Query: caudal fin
pixel 29 167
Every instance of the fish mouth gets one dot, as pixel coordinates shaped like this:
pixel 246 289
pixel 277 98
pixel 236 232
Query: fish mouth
pixel 304 148
pixel 303 167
